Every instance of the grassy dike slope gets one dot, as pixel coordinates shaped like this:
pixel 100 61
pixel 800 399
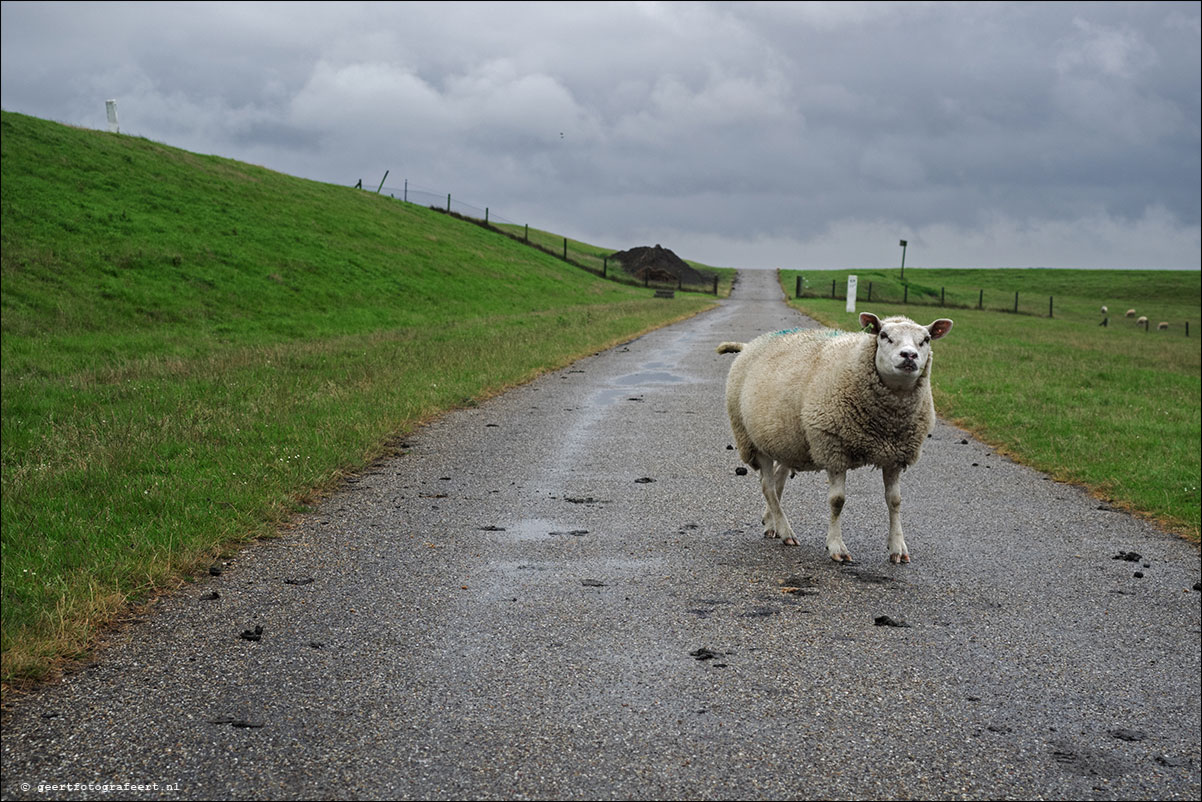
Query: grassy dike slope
pixel 194 347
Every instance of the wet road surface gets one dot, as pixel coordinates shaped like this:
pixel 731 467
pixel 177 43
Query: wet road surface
pixel 564 594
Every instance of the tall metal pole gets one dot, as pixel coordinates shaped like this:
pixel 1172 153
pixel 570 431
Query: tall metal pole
pixel 902 243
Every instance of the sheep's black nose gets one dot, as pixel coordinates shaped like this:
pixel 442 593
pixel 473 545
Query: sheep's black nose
pixel 909 355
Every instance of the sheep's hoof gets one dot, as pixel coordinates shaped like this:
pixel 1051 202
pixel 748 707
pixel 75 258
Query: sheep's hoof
pixel 791 541
pixel 899 558
pixel 770 533
pixel 842 558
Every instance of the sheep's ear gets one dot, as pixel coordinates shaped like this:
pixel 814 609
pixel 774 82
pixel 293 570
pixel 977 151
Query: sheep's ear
pixel 871 323
pixel 939 328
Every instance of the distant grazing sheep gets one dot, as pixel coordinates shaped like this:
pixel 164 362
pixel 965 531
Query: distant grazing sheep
pixel 1130 313
pixel 1162 326
pixel 1105 311
pixel 1142 321
pixel 811 400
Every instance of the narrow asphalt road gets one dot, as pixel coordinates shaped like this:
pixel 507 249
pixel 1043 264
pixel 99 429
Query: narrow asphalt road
pixel 564 594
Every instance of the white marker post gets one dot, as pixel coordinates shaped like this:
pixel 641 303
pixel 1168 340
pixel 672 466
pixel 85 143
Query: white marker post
pixel 110 106
pixel 851 293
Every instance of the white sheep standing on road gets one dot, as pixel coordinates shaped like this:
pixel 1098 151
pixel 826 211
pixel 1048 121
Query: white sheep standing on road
pixel 818 399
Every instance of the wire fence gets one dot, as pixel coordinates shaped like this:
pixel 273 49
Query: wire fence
pixel 959 298
pixel 589 258
pixel 996 300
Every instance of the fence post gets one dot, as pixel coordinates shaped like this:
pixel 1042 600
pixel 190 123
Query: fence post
pixel 604 266
pixel 906 294
pixel 832 289
pixel 942 291
pixel 485 215
pixel 798 293
pixel 981 300
pixel 870 292
pixel 448 201
pixel 406 195
pixel 1050 306
pixel 382 180
pixel 565 249
pixel 716 295
pixel 1016 303
pixel 526 236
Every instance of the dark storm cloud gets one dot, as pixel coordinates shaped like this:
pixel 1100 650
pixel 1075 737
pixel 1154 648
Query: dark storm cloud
pixel 756 134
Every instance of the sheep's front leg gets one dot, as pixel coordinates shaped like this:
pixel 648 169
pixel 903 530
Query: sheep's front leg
pixel 897 542
pixel 772 482
pixel 836 495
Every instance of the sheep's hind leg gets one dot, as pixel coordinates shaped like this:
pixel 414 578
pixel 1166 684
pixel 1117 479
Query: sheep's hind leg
pixel 897 541
pixel 772 482
pixel 836 495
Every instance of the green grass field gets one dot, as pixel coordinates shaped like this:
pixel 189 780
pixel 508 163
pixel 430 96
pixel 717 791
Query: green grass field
pixel 193 348
pixel 1116 409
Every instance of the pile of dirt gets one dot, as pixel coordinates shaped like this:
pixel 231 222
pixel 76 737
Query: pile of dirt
pixel 657 264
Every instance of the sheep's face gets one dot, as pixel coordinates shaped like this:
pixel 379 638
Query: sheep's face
pixel 903 347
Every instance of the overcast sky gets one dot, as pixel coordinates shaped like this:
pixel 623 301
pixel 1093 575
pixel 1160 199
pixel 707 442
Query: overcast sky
pixel 743 134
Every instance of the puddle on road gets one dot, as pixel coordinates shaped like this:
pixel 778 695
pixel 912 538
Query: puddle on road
pixel 622 388
pixel 648 377
pixel 528 529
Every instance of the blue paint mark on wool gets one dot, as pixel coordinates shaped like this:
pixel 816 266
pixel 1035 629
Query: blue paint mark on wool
pixel 822 332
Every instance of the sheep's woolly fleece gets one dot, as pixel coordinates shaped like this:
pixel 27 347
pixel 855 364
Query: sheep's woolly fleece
pixel 849 417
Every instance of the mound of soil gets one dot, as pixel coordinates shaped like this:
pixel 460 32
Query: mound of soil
pixel 657 264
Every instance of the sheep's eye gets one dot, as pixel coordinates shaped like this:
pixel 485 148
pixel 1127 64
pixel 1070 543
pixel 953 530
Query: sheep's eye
pixel 885 337
pixel 927 340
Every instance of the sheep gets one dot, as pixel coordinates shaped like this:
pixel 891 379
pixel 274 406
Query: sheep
pixel 1130 313
pixel 1105 310
pixel 1162 326
pixel 1142 321
pixel 810 400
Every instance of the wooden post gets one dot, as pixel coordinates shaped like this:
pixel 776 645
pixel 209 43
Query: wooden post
pixel 906 294
pixel 526 236
pixel 832 289
pixel 448 201
pixel 406 195
pixel 382 182
pixel 797 294
pixel 604 266
pixel 485 215
pixel 565 249
pixel 870 292
pixel 981 300
pixel 1016 303
pixel 1050 305
pixel 942 291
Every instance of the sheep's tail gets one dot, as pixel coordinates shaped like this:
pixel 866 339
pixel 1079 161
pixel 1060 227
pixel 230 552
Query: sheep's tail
pixel 730 348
